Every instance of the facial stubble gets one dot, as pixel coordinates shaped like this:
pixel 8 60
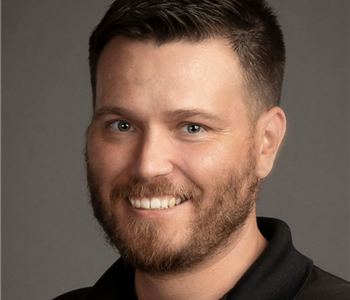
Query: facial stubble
pixel 216 221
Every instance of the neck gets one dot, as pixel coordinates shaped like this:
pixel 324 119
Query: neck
pixel 202 282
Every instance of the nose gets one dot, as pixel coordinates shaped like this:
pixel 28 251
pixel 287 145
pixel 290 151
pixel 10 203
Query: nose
pixel 153 157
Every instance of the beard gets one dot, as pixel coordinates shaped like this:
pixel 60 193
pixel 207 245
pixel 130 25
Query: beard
pixel 217 219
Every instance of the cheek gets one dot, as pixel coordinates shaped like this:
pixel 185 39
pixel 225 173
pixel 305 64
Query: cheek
pixel 206 164
pixel 107 161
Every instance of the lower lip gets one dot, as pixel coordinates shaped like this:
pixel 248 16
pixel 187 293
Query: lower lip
pixel 149 213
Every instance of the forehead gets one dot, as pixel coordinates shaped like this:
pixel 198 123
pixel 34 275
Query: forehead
pixel 176 73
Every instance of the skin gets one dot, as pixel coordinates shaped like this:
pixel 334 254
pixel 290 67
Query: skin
pixel 159 91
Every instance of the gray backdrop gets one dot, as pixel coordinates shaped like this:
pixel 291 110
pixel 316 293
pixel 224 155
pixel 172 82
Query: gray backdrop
pixel 50 242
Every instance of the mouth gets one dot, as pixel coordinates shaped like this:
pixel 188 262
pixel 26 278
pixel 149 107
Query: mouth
pixel 156 203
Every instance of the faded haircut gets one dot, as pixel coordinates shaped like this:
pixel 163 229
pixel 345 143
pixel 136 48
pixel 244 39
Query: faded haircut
pixel 250 26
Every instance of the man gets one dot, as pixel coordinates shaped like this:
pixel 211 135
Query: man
pixel 186 122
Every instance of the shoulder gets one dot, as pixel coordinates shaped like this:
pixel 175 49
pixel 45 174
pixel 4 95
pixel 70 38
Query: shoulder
pixel 78 294
pixel 117 283
pixel 322 285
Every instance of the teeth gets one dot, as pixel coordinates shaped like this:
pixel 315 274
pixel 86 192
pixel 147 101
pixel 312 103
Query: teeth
pixel 172 202
pixel 145 203
pixel 165 204
pixel 155 203
pixel 137 203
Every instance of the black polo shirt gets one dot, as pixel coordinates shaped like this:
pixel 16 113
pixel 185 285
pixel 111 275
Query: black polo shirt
pixel 280 272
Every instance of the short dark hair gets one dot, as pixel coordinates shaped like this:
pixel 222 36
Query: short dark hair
pixel 250 26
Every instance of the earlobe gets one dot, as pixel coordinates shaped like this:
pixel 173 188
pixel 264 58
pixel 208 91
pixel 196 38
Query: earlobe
pixel 271 128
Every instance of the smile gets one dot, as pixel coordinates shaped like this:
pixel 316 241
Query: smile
pixel 154 203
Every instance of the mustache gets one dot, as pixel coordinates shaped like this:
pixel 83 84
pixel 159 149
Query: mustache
pixel 160 188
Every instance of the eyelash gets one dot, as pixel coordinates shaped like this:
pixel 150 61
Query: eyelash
pixel 183 127
pixel 118 122
pixel 201 128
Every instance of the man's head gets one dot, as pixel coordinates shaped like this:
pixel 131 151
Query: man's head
pixel 173 157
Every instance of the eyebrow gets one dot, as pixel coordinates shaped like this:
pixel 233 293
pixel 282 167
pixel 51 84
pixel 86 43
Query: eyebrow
pixel 111 110
pixel 189 113
pixel 176 114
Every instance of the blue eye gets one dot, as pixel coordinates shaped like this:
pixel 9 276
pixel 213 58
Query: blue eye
pixel 192 128
pixel 122 126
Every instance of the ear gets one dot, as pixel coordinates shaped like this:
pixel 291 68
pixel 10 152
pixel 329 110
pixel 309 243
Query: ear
pixel 270 131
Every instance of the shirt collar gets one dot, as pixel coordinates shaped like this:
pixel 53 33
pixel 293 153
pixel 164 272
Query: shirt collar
pixel 280 272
